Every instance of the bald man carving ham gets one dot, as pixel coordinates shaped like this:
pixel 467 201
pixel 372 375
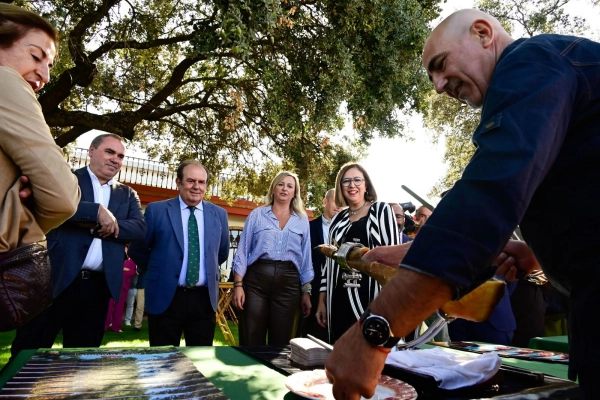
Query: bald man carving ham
pixel 538 143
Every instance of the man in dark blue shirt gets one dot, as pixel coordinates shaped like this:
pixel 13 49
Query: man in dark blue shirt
pixel 538 144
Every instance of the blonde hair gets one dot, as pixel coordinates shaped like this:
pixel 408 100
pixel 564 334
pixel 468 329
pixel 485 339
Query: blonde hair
pixel 297 205
pixel 370 193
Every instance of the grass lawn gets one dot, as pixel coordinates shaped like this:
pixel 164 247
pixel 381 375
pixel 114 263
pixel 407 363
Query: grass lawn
pixel 127 338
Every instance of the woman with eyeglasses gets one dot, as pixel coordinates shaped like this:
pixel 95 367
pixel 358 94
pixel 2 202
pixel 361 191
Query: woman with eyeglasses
pixel 365 221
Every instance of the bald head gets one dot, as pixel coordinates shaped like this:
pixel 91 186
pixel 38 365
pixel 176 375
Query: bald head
pixel 461 54
pixel 459 23
pixel 329 207
pixel 422 214
pixel 330 194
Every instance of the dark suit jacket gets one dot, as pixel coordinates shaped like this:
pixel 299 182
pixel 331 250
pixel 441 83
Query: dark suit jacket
pixel 68 244
pixel 161 252
pixel 318 260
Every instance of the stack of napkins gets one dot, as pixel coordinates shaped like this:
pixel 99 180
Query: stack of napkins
pixel 450 369
pixel 308 353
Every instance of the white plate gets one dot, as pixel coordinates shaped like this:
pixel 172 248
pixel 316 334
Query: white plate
pixel 315 386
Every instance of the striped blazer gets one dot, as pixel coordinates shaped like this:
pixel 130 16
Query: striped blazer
pixel 382 231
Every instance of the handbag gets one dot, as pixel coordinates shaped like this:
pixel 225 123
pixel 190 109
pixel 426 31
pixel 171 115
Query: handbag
pixel 25 285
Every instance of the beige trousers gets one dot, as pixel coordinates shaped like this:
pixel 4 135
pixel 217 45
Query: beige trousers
pixel 139 307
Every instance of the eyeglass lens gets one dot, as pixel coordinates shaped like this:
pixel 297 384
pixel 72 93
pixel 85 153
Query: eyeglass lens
pixel 357 181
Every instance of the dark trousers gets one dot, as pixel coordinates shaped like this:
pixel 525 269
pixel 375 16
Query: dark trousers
pixel 272 290
pixel 79 311
pixel 310 326
pixel 191 314
pixel 529 308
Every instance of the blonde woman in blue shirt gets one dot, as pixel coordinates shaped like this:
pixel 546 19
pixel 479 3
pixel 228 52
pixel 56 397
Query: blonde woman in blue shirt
pixel 273 267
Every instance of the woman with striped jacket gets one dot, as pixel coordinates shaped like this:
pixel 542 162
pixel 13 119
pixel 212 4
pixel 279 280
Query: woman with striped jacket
pixel 365 221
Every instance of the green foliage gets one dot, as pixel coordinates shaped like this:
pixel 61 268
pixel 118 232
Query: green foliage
pixel 448 118
pixel 247 87
pixel 456 122
pixel 535 16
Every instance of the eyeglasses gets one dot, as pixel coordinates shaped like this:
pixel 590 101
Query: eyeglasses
pixel 357 181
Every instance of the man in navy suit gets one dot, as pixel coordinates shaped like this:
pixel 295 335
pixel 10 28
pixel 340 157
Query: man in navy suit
pixel 319 234
pixel 87 254
pixel 186 241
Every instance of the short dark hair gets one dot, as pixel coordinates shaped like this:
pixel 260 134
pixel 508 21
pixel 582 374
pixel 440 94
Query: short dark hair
pixel 16 22
pixel 100 138
pixel 190 162
pixel 370 193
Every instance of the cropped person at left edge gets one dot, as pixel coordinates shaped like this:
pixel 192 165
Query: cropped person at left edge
pixel 28 45
pixel 186 241
pixel 273 267
pixel 87 254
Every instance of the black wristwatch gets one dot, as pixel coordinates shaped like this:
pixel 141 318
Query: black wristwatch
pixel 376 330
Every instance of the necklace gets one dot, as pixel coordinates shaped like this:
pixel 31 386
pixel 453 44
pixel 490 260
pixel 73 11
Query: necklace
pixel 352 212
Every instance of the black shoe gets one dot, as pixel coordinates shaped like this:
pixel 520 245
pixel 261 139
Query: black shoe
pixel 137 329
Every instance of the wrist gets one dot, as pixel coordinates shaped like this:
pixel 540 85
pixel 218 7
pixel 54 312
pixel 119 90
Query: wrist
pixel 307 288
pixel 239 283
pixel 377 332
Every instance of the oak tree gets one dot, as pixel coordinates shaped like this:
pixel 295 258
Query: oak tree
pixel 245 86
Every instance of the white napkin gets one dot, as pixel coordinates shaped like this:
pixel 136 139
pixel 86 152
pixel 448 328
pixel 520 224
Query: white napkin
pixel 451 370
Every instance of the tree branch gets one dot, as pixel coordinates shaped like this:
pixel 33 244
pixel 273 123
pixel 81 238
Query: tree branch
pixel 134 44
pixel 71 135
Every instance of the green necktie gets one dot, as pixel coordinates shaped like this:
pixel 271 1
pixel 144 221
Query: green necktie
pixel 193 264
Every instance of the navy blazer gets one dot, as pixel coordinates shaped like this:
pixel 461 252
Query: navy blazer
pixel 318 259
pixel 68 244
pixel 161 252
pixel 538 152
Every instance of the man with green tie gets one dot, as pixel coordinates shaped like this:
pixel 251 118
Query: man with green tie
pixel 186 241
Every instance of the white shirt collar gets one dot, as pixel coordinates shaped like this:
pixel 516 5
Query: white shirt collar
pixel 183 206
pixel 95 178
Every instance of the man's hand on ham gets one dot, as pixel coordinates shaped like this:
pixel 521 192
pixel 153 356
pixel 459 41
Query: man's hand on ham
pixel 354 366
pixel 387 255
pixel 523 257
pixel 506 267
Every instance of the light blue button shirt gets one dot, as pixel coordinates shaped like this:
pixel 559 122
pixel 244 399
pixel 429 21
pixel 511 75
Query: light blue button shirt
pixel 263 239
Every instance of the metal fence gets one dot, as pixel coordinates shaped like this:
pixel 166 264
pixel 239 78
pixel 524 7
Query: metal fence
pixel 142 171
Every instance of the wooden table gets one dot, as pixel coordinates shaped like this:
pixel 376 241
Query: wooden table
pixel 225 297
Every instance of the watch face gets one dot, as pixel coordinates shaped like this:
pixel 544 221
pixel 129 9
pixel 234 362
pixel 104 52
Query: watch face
pixel 376 330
